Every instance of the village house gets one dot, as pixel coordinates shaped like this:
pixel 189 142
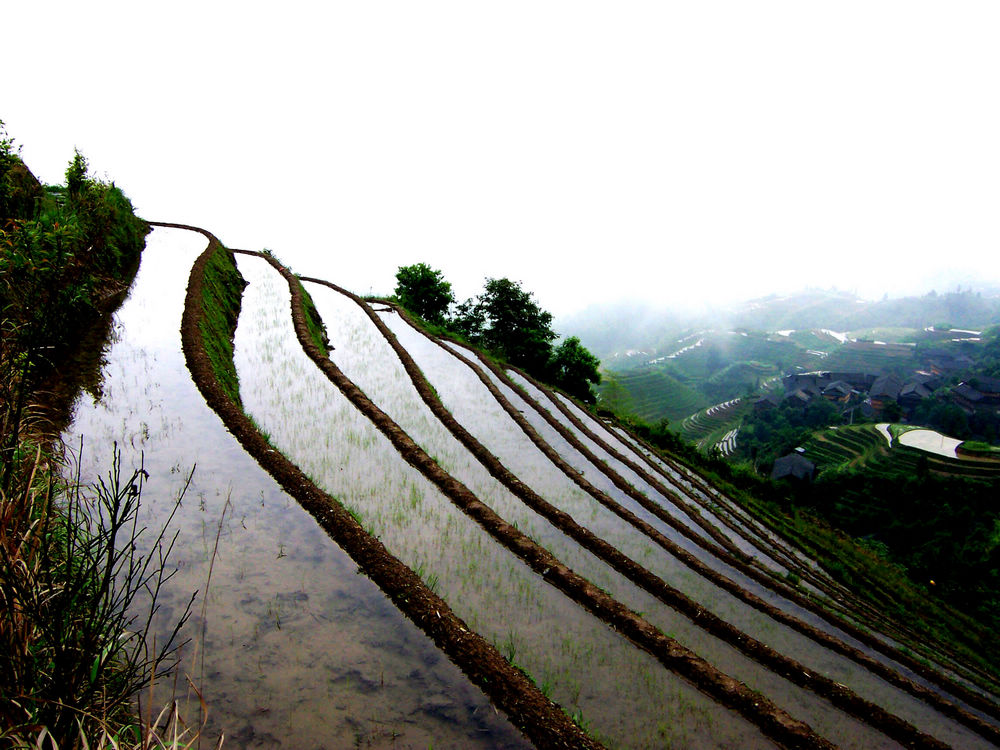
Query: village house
pixel 793 466
pixel 885 391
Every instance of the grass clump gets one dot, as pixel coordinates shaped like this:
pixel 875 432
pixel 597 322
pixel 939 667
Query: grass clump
pixel 222 296
pixel 314 322
pixel 78 599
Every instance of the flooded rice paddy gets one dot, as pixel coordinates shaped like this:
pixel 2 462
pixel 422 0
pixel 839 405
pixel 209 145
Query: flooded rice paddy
pixel 298 649
pixel 586 667
pixel 292 648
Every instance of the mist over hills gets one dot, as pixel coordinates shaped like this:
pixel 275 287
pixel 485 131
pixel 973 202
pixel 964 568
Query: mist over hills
pixel 612 330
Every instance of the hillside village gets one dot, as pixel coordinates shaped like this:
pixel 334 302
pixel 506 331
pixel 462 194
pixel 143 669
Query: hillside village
pixel 877 395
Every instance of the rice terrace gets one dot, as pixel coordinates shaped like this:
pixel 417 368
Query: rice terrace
pixel 403 543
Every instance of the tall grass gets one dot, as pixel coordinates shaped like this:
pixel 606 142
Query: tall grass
pixel 78 603
pixel 77 598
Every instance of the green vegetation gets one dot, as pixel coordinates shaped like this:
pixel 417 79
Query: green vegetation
pixel 767 435
pixel 903 530
pixel 423 291
pixel 222 294
pixel 76 595
pixel 505 321
pixel 700 370
pixel 77 598
pixel 937 528
pixel 314 322
pixel 708 427
pixel 572 368
pixel 652 395
pixel 64 259
pixel 979 448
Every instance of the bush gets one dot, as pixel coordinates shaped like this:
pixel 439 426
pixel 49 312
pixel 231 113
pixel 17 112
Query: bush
pixel 74 649
pixel 423 291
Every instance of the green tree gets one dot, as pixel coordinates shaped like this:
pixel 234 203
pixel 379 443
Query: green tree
pixel 573 368
pixel 469 320
pixel 423 291
pixel 76 173
pixel 8 158
pixel 20 191
pixel 507 321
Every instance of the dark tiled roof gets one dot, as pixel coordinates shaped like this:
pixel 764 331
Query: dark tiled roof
pixel 914 389
pixel 767 399
pixel 984 384
pixel 838 386
pixel 887 386
pixel 967 392
pixel 793 465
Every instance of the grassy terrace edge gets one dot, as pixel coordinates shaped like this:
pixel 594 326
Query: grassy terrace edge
pixel 540 719
pixel 222 297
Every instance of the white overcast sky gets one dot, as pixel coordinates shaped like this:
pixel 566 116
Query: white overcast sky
pixel 674 152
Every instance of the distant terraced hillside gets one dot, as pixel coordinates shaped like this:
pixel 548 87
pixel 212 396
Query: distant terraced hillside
pixel 654 394
pixel 717 425
pixel 870 356
pixel 866 446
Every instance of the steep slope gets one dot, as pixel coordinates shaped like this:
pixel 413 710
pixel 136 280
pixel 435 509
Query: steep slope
pixel 582 581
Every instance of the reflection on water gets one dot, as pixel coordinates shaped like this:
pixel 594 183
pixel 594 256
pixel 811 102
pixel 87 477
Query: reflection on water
pixel 291 647
pixel 620 692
